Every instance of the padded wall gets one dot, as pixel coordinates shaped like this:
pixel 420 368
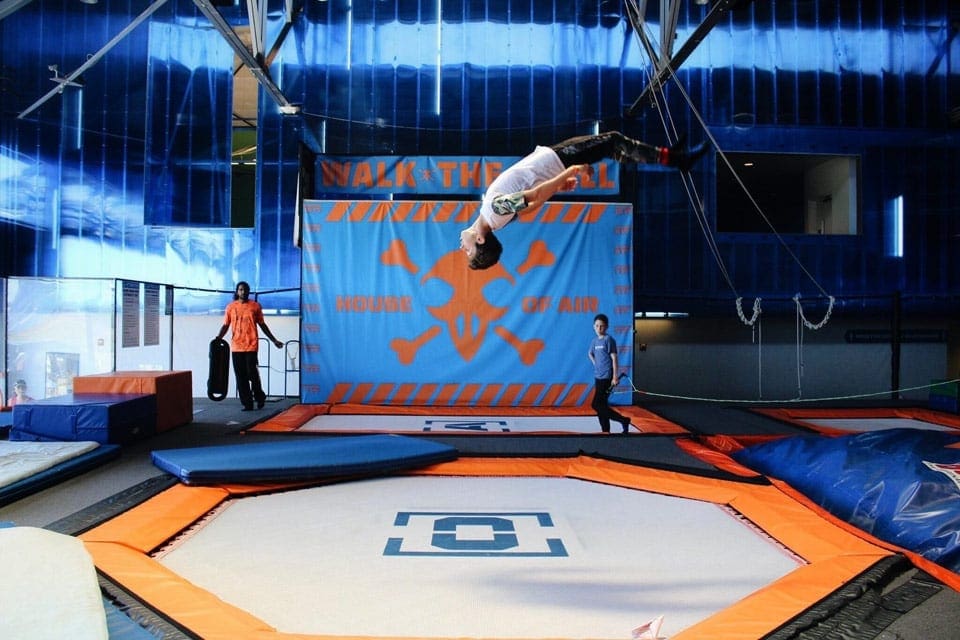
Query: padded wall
pixel 393 315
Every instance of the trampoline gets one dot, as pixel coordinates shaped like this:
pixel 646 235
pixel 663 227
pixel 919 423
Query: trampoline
pixel 356 418
pixel 850 420
pixel 50 587
pixel 289 534
pixel 28 467
pixel 481 547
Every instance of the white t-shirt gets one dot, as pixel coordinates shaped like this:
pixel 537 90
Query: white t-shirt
pixel 542 164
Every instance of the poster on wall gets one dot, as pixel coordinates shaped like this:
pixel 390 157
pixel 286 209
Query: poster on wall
pixel 393 315
pixel 151 314
pixel 130 314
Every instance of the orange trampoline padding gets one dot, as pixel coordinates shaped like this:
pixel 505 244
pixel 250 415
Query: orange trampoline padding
pixel 803 415
pixel 174 391
pixel 298 415
pixel 833 555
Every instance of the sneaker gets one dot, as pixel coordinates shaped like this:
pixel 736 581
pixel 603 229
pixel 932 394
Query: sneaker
pixel 684 159
pixel 635 151
pixel 246 408
pixel 260 404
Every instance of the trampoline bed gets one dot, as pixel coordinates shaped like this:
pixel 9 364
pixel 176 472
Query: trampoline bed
pixel 27 467
pixel 834 421
pixel 481 547
pixel 355 418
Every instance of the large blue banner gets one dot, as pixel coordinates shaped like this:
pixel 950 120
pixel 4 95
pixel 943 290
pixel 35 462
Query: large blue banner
pixel 436 175
pixel 393 315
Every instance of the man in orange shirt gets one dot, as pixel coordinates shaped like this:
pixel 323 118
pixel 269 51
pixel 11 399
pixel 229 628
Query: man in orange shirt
pixel 243 316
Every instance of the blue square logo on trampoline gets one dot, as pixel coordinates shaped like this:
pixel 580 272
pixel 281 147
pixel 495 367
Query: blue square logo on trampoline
pixel 478 425
pixel 487 534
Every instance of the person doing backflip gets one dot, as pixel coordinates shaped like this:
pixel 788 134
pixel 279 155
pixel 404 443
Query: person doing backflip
pixel 242 317
pixel 549 170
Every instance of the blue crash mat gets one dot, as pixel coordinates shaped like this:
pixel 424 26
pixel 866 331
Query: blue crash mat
pixel 299 459
pixel 97 417
pixel 901 485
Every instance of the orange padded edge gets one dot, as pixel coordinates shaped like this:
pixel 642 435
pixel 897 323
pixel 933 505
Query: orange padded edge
pixel 799 415
pixel 941 573
pixel 293 418
pixel 834 554
pixel 298 415
pixel 350 408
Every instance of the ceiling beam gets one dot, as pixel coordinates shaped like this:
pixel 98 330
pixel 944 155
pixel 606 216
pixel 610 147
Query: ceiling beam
pixel 254 62
pixel 667 65
pixel 94 59
pixel 10 6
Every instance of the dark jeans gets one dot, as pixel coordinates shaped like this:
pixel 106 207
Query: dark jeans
pixel 246 368
pixel 609 144
pixel 601 388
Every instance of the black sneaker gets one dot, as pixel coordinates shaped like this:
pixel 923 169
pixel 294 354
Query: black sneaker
pixel 246 408
pixel 260 404
pixel 684 159
pixel 631 150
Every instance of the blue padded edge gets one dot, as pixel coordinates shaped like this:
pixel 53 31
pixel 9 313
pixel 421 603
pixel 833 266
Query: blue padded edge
pixel 6 421
pixel 296 459
pixel 57 473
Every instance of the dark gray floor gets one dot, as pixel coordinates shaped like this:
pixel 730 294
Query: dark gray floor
pixel 80 502
pixel 214 423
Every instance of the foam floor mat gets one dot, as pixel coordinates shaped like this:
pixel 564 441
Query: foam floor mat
pixel 300 459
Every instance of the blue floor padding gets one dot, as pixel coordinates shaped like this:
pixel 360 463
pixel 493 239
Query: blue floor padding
pixel 58 473
pixel 901 485
pixel 301 459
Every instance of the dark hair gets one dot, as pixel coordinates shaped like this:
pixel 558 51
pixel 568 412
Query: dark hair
pixel 603 318
pixel 236 296
pixel 487 253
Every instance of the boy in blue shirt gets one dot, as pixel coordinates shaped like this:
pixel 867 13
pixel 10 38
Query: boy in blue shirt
pixel 606 374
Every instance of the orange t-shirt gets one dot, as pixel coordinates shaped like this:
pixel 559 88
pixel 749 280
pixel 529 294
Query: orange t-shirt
pixel 243 318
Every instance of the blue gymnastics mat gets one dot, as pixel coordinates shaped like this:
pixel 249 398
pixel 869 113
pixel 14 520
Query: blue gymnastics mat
pixel 301 459
pixel 116 418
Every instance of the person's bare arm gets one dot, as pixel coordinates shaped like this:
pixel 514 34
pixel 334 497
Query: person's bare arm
pixel 564 181
pixel 266 330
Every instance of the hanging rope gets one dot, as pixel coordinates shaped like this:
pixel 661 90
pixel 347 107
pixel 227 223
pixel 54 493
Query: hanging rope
pixel 660 104
pixel 807 323
pixel 854 396
pixel 799 343
pixel 659 101
pixel 756 312
pixel 756 336
pixel 801 323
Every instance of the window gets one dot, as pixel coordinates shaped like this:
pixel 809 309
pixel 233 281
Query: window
pixel 894 231
pixel 796 193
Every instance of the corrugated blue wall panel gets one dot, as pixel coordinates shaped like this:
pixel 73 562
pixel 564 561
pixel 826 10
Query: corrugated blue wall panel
pixel 472 77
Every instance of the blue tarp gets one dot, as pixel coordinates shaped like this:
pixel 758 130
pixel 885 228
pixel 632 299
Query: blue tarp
pixel 901 485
